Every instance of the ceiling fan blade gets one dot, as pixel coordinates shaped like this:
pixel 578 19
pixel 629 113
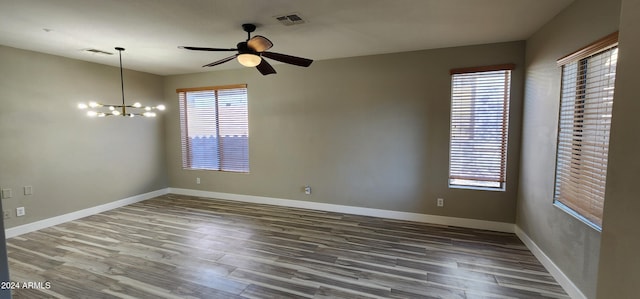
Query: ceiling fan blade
pixel 221 61
pixel 265 68
pixel 260 43
pixel 207 49
pixel 299 61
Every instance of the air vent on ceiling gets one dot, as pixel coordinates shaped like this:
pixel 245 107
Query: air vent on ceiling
pixel 290 19
pixel 96 51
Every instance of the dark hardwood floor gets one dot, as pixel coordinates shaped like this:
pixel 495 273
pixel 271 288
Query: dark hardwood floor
pixel 176 246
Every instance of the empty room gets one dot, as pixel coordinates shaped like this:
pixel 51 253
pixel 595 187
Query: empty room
pixel 319 149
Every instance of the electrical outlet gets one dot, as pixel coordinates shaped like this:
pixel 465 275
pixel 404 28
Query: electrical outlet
pixel 7 193
pixel 28 190
pixel 198 181
pixel 20 211
pixel 307 190
pixel 440 202
pixel 7 214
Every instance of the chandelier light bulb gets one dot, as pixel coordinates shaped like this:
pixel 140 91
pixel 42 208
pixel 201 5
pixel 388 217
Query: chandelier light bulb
pixel 112 108
pixel 92 113
pixel 137 105
pixel 82 106
pixel 147 108
pixel 115 112
pixel 93 104
pixel 149 114
pixel 161 107
pixel 102 114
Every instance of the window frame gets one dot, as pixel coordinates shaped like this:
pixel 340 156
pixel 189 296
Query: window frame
pixel 218 154
pixel 581 59
pixel 455 179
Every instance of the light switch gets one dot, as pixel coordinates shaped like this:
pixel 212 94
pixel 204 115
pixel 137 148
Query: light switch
pixel 28 190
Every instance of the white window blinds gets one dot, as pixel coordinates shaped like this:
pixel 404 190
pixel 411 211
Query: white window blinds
pixel 583 132
pixel 479 126
pixel 215 128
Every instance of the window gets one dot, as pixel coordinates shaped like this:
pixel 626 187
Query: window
pixel 215 128
pixel 586 103
pixel 479 127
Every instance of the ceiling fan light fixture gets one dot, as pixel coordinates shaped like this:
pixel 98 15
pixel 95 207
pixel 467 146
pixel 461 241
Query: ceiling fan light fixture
pixel 249 60
pixel 253 53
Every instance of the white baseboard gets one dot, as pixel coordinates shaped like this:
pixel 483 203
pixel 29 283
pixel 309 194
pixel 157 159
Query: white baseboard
pixel 33 226
pixel 442 220
pixel 566 283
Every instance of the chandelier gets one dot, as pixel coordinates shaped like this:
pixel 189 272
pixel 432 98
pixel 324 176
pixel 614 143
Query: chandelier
pixel 136 109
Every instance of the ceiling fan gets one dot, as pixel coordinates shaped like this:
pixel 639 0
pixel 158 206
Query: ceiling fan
pixel 252 51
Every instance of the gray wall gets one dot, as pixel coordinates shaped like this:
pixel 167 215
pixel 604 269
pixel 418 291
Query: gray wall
pixel 5 293
pixel 619 263
pixel 572 245
pixel 72 161
pixel 368 132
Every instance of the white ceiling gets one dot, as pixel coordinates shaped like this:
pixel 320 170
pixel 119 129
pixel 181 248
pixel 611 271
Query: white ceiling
pixel 151 30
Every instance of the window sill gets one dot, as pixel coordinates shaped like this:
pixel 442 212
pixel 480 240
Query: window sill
pixel 215 170
pixel 477 188
pixel 573 213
